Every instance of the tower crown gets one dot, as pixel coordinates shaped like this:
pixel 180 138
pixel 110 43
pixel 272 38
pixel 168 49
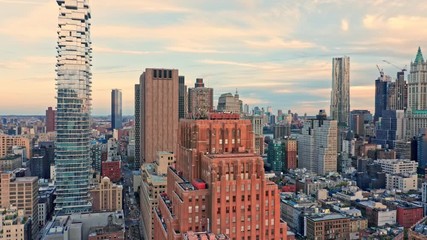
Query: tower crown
pixel 419 58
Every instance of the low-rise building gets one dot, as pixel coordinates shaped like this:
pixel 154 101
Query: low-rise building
pixel 112 170
pixel 14 225
pixel 328 226
pixel 377 213
pixel 402 182
pixel 10 162
pixel 408 214
pixel 418 231
pixel 107 196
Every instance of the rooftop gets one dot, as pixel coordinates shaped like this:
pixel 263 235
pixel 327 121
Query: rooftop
pixel 11 157
pixel 326 217
pixel 204 236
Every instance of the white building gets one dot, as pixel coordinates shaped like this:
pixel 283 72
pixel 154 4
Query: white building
pixel 398 166
pixel 229 103
pixel 403 182
pixel 317 149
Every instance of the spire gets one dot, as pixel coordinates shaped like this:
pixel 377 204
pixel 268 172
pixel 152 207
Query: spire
pixel 419 58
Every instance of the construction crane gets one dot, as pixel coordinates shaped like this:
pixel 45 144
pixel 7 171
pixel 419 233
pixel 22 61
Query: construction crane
pixel 381 71
pixel 401 69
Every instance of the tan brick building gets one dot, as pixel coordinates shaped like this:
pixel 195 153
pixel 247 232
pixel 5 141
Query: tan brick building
pixel 13 224
pixel 219 184
pixel 107 196
pixel 21 192
pixel 159 89
pixel 153 183
pixel 7 142
pixel 328 226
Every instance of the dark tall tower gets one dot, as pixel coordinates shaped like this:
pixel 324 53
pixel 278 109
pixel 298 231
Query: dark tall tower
pixel 50 119
pixel 182 98
pixel 137 126
pixel 116 109
pixel 381 90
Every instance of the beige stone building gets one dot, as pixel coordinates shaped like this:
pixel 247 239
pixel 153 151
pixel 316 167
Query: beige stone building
pixel 21 192
pixel 10 162
pixel 107 196
pixel 13 224
pixel 154 181
pixel 159 98
pixel 7 142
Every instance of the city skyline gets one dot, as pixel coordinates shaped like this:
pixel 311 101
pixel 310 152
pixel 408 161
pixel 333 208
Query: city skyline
pixel 279 61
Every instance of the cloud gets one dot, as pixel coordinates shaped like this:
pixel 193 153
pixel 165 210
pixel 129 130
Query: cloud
pixel 344 25
pixel 278 43
pixel 20 2
pixel 121 51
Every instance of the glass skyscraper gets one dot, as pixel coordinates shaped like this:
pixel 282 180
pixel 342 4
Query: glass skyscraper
pixel 116 109
pixel 73 83
pixel 340 95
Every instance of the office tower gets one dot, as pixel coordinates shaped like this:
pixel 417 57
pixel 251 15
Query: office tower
pixel 358 119
pixel 317 146
pixel 276 155
pixel 290 146
pixel 381 95
pixel 159 89
pixel 218 184
pixel 42 158
pixel 200 100
pixel 7 143
pixel 50 119
pixel 106 196
pixel 154 183
pixel 74 79
pixel 183 98
pixel 229 103
pixel 246 109
pixel 398 93
pixel 417 86
pixel 116 109
pixel 340 95
pixel 257 125
pixel 21 192
pixel 137 127
pixel 391 128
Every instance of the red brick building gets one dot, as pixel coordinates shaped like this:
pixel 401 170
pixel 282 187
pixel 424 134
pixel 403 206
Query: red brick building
pixel 112 170
pixel 219 184
pixel 50 119
pixel 291 150
pixel 408 214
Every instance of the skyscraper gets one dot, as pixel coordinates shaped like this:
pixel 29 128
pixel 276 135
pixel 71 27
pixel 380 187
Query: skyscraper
pixel 116 109
pixel 340 95
pixel 381 95
pixel 159 89
pixel 229 103
pixel 317 146
pixel 200 99
pixel 74 79
pixel 218 184
pixel 137 127
pixel 182 113
pixel 398 93
pixel 50 119
pixel 417 84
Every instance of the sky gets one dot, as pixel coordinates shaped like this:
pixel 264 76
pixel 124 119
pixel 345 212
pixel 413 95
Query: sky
pixel 275 52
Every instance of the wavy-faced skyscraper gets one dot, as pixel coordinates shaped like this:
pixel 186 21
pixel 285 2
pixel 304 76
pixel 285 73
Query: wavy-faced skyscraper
pixel 73 83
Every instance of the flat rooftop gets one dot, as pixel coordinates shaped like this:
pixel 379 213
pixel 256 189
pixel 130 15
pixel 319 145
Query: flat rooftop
pixel 326 217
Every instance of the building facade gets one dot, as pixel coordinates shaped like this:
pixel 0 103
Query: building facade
pixel 10 163
pixel 116 109
pixel 50 119
pixel 137 126
pixel 7 142
pixel 107 196
pixel 183 98
pixel 218 184
pixel 200 100
pixel 21 192
pixel 14 225
pixel 153 184
pixel 330 226
pixel 340 95
pixel 229 103
pixel 317 149
pixel 381 95
pixel 73 82
pixel 159 112
pixel 417 84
